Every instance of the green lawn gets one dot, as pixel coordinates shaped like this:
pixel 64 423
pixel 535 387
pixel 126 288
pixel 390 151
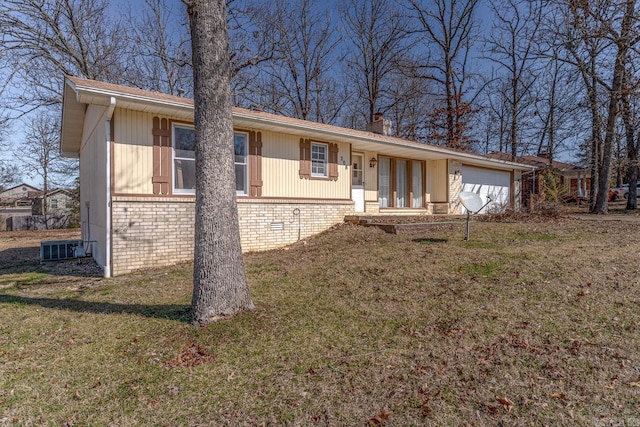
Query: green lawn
pixel 525 324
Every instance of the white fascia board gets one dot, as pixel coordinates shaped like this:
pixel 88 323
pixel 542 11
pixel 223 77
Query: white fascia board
pixel 104 98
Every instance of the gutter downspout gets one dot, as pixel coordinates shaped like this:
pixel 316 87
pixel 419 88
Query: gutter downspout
pixel 108 251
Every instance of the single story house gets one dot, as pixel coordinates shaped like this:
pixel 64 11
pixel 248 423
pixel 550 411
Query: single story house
pixel 575 180
pixel 294 178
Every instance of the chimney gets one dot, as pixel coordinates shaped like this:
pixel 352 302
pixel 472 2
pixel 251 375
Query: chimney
pixel 380 125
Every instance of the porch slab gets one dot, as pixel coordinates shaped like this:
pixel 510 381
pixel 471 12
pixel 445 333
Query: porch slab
pixel 404 224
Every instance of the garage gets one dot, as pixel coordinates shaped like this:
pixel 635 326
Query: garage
pixel 488 183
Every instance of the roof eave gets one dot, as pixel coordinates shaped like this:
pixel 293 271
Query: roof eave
pixel 249 119
pixel 73 113
pixel 79 94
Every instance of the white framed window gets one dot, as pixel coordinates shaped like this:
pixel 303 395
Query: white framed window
pixel 54 203
pixel 384 181
pixel 405 190
pixel 416 184
pixel 319 159
pixel 184 160
pixel 241 159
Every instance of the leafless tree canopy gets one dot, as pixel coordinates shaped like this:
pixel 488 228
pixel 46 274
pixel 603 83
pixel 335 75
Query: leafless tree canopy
pixel 376 34
pixel 558 77
pixel 45 40
pixel 160 48
pixel 447 30
pixel 40 156
pixel 9 173
pixel 298 82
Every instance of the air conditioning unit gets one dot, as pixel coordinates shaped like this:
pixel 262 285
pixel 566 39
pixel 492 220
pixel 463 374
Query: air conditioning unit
pixel 57 250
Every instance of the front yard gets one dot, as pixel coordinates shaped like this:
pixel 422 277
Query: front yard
pixel 534 323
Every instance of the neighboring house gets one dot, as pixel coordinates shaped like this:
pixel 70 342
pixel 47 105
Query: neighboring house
pixel 575 179
pixel 59 202
pixel 18 196
pixel 294 178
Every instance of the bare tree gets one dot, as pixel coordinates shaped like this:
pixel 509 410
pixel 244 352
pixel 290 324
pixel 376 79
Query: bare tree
pixel 40 155
pixel 496 116
pixel 9 173
pixel 629 113
pixel 252 44
pixel 614 22
pixel 512 45
pixel 376 32
pixel 299 84
pixel 408 99
pixel 219 281
pixel 583 44
pixel 161 49
pixel 448 28
pixel 555 106
pixel 45 39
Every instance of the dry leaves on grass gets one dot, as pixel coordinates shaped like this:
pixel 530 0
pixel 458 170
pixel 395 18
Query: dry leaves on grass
pixel 381 418
pixel 192 355
pixel 507 403
pixel 550 214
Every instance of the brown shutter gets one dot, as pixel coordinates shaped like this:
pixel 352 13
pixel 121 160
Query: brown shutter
pixel 305 158
pixel 161 157
pixel 333 162
pixel 255 164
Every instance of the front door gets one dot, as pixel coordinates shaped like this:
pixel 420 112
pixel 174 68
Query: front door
pixel 357 181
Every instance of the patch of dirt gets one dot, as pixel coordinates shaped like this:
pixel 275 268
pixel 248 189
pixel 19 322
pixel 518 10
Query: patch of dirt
pixel 32 238
pixel 24 246
pixel 20 252
pixel 192 355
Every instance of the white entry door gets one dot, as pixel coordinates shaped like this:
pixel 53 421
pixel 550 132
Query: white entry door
pixel 357 181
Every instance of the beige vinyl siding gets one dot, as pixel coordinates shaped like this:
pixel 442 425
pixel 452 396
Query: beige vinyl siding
pixel 133 152
pixel 133 162
pixel 281 163
pixel 370 178
pixel 93 183
pixel 455 186
pixel 437 181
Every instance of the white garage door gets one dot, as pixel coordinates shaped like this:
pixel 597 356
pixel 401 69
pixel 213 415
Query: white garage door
pixel 488 184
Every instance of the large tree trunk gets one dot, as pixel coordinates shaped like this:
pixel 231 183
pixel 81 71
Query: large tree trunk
pixel 219 283
pixel 596 140
pixel 601 205
pixel 632 149
pixel 604 172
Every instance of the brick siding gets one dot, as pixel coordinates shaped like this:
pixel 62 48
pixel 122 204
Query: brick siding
pixel 157 231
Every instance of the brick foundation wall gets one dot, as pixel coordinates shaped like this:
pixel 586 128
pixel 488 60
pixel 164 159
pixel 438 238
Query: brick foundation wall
pixel 156 231
pixel 150 232
pixel 273 223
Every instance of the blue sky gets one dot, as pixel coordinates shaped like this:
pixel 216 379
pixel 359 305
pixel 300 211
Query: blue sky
pixel 123 7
